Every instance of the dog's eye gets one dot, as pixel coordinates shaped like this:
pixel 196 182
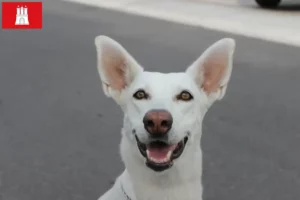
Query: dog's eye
pixel 140 94
pixel 185 96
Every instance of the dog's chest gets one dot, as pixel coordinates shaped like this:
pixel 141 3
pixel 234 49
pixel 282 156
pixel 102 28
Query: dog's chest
pixel 187 192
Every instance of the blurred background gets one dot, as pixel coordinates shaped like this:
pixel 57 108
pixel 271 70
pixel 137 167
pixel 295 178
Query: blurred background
pixel 59 134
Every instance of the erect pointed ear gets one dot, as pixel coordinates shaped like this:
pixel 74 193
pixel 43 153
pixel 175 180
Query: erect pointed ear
pixel 212 70
pixel 116 66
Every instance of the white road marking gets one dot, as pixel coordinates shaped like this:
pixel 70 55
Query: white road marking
pixel 275 26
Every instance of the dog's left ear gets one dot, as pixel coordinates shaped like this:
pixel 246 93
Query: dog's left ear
pixel 212 70
pixel 117 68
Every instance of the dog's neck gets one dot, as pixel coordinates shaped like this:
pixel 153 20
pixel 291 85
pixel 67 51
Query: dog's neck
pixel 182 181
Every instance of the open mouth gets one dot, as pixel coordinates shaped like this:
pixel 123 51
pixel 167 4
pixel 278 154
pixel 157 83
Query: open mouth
pixel 159 154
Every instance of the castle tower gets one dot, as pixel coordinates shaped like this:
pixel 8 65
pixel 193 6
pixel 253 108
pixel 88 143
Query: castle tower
pixel 22 16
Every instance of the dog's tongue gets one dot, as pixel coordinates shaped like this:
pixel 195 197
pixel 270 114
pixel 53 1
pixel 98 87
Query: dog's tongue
pixel 160 153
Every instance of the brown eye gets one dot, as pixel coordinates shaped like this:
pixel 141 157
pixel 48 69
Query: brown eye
pixel 185 96
pixel 140 94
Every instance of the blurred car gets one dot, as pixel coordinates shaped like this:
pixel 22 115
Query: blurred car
pixel 268 3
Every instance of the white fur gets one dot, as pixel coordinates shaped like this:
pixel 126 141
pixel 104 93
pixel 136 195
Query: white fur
pixel 183 180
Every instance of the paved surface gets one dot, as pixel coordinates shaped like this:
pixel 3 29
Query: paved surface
pixel 240 17
pixel 59 135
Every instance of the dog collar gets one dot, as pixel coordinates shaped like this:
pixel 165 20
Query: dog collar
pixel 124 193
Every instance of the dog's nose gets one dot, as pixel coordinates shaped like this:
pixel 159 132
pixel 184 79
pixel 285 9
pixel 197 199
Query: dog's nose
pixel 158 122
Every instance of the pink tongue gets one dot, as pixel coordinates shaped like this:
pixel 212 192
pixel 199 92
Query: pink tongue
pixel 160 153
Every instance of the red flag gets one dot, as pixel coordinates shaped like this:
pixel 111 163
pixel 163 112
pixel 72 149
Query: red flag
pixel 22 15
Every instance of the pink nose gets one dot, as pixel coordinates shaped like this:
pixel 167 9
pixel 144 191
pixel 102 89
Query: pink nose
pixel 158 122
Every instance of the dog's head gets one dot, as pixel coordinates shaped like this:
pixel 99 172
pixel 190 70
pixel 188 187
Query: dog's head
pixel 163 112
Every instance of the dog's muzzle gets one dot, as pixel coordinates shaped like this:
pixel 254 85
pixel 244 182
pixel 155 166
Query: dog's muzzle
pixel 158 152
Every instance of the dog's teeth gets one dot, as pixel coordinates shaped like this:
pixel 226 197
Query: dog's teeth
pixel 164 160
pixel 169 155
pixel 160 160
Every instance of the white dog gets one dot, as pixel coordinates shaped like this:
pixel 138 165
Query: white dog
pixel 163 115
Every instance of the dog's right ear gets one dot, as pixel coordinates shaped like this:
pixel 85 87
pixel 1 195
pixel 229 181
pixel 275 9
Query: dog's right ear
pixel 212 70
pixel 117 68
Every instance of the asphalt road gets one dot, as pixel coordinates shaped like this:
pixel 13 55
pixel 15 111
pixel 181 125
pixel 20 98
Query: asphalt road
pixel 59 134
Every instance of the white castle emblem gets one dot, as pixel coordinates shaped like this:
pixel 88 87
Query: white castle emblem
pixel 22 16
